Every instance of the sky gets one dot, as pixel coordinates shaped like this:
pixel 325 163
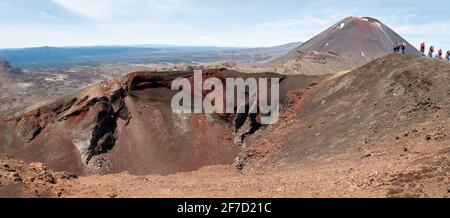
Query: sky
pixel 237 23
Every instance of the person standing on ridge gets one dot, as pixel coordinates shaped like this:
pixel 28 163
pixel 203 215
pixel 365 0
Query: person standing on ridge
pixel 422 49
pixel 439 54
pixel 447 56
pixel 431 51
pixel 397 45
pixel 394 46
pixel 403 47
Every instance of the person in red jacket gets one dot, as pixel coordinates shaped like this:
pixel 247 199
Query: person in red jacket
pixel 422 49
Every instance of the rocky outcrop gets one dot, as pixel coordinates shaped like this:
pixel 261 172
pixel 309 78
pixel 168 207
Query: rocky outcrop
pixel 19 179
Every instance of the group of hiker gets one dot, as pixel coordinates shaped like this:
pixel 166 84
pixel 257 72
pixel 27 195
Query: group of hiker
pixel 400 46
pixel 431 52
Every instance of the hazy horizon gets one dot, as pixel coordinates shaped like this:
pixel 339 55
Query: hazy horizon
pixel 133 45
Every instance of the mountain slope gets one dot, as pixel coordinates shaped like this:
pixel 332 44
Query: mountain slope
pixel 392 106
pixel 350 43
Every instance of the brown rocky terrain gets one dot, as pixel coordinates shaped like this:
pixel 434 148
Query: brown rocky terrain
pixel 18 179
pixel 30 86
pixel 128 124
pixel 380 130
pixel 6 76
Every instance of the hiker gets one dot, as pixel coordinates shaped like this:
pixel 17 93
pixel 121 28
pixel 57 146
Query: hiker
pixel 403 47
pixel 439 54
pixel 422 49
pixel 447 56
pixel 431 51
pixel 395 46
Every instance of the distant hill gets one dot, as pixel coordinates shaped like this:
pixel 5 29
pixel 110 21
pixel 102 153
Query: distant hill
pixel 93 56
pixel 268 53
pixel 56 56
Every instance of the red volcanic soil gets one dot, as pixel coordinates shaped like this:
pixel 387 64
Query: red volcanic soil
pixel 125 124
pixel 128 125
pixel 381 130
pixel 375 107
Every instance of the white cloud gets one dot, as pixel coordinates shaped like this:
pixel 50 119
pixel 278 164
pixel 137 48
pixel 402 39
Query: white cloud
pixel 431 29
pixel 297 23
pixel 98 9
pixel 433 33
pixel 104 10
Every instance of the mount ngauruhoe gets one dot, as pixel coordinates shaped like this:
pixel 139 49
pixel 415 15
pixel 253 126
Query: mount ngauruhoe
pixel 350 43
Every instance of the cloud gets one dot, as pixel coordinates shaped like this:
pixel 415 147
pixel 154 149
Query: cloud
pixel 105 10
pixel 433 33
pixel 97 10
pixel 430 29
pixel 191 22
pixel 296 23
